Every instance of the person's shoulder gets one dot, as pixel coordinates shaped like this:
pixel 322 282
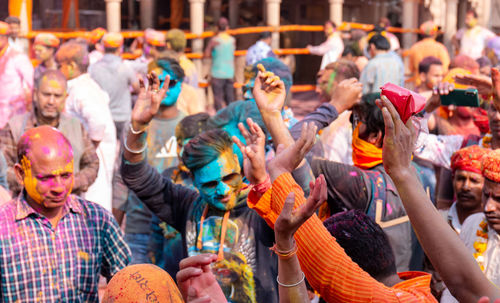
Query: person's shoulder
pixel 91 209
pixel 7 210
pixel 470 226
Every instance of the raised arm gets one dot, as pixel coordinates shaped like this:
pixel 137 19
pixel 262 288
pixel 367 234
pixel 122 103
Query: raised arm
pixel 447 253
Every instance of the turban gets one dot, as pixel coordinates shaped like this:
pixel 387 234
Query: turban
pixel 154 38
pixel 428 28
pixel 142 283
pixel 112 40
pixel 490 166
pixel 97 34
pixel 4 28
pixel 468 158
pixel 47 39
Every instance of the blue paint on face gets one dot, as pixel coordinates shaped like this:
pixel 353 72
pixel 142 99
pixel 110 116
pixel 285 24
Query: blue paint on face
pixel 220 182
pixel 174 89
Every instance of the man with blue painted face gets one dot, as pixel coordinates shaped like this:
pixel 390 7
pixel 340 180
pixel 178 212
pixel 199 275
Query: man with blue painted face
pixel 216 218
pixel 161 154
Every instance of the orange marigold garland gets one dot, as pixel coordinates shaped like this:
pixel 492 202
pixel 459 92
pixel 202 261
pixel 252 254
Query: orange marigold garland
pixel 481 243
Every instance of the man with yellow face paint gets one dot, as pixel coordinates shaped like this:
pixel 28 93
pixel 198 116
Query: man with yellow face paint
pixel 49 100
pixel 62 242
pixel 472 39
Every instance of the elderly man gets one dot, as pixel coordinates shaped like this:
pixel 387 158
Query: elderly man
pixel 45 47
pixel 16 78
pixel 467 185
pixel 54 245
pixel 90 104
pixel 49 98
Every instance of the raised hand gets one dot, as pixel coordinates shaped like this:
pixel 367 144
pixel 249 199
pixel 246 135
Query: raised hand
pixel 482 83
pixel 254 158
pixel 196 281
pixel 347 93
pixel 288 159
pixel 148 101
pixel 290 220
pixel 399 141
pixel 269 92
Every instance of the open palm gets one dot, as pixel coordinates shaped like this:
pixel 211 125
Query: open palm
pixel 148 101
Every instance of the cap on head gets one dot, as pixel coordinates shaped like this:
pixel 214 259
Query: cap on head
pixel 177 39
pixel 142 283
pixel 468 159
pixel 96 35
pixel 428 28
pixel 490 166
pixel 112 40
pixel 154 37
pixel 4 28
pixel 47 39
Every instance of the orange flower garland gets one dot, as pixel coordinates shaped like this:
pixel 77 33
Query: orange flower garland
pixel 481 243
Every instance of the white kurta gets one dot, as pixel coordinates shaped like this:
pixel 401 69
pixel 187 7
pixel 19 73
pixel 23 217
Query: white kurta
pixel 89 103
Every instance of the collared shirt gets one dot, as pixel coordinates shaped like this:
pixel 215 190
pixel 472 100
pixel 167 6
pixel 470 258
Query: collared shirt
pixel 383 68
pixel 16 79
pixel 39 262
pixel 451 216
pixel 258 51
pixel 331 49
pixel 85 172
pixel 473 40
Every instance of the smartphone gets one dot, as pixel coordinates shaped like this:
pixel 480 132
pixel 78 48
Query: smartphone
pixel 461 97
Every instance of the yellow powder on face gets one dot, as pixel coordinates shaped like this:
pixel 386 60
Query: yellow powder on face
pixel 54 84
pixel 68 168
pixel 30 181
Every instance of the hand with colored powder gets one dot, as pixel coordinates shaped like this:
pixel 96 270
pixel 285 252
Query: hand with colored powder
pixel 347 93
pixel 254 157
pixel 269 91
pixel 148 101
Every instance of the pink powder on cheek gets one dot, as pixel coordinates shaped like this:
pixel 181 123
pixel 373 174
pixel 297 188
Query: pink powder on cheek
pixel 46 150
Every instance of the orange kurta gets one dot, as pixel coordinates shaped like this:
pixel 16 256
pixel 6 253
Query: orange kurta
pixel 327 267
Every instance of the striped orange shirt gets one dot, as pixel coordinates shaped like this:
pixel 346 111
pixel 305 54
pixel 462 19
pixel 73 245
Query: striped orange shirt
pixel 327 267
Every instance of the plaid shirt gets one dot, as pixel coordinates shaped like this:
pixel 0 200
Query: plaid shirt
pixel 39 263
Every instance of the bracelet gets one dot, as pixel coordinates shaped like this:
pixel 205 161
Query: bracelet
pixel 264 186
pixel 136 132
pixel 287 254
pixel 140 151
pixel 294 284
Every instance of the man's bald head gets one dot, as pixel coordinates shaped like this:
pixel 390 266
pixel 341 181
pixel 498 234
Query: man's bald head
pixel 45 139
pixel 51 75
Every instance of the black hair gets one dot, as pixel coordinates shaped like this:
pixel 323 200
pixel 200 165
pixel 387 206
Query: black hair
pixel 364 241
pixel 331 23
pixel 425 64
pixel 167 63
pixel 12 20
pixel 473 12
pixel 110 50
pixel 205 148
pixel 265 35
pixel 380 42
pixel 191 126
pixel 370 114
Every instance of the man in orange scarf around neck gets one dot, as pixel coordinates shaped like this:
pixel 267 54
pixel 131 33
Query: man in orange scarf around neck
pixel 364 186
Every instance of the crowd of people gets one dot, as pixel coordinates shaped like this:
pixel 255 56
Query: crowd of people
pixel 116 175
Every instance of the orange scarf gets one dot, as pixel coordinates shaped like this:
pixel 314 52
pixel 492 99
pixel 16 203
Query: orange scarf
pixel 364 155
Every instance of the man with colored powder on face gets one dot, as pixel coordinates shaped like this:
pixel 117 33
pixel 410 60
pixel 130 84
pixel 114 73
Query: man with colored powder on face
pixel 45 47
pixel 16 79
pixel 90 104
pixel 61 241
pixel 162 154
pixel 431 73
pixel 472 39
pixel 49 98
pixel 216 219
pixel 115 78
pixel 221 49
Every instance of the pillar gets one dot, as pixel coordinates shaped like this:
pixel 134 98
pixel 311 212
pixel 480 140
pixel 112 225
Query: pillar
pixel 113 16
pixel 196 14
pixel 234 13
pixel 450 22
pixel 273 19
pixel 147 13
pixel 336 11
pixel 410 20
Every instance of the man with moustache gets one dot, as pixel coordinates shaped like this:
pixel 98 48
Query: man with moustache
pixel 467 185
pixel 49 99
pixel 54 245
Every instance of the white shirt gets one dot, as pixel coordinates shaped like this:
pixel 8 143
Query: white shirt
pixel 473 41
pixel 331 49
pixel 90 104
pixel 451 216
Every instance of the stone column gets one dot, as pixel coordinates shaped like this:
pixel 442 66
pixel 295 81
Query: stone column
pixel 336 11
pixel 113 16
pixel 410 20
pixel 450 22
pixel 147 13
pixel 273 19
pixel 196 8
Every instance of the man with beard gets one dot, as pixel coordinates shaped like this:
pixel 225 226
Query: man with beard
pixel 467 185
pixel 215 220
